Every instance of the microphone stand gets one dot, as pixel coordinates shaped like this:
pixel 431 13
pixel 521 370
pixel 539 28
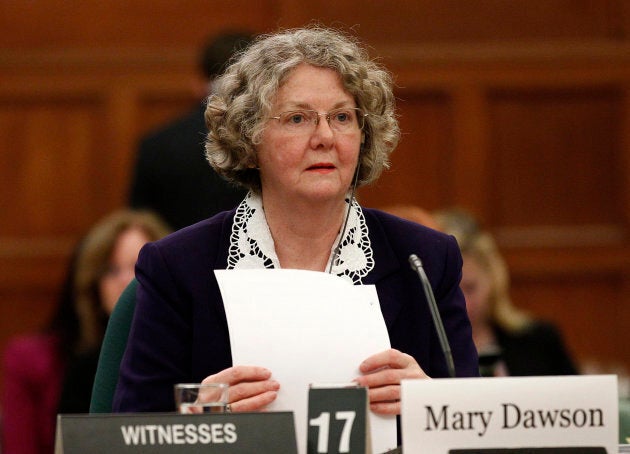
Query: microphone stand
pixel 416 265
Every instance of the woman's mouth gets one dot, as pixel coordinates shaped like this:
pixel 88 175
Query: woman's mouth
pixel 321 167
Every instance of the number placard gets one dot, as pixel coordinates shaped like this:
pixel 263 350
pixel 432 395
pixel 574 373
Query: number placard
pixel 337 420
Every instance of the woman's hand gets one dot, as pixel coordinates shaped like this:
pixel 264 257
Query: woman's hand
pixel 382 373
pixel 251 387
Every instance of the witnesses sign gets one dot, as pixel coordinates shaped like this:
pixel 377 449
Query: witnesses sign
pixel 255 433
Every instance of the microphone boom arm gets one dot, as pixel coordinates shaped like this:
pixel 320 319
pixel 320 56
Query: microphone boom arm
pixel 416 265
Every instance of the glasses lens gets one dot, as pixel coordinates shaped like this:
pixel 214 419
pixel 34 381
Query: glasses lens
pixel 343 119
pixel 298 119
pixel 303 121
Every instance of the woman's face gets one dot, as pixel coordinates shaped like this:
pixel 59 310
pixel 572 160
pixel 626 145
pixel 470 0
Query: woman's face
pixel 315 165
pixel 477 286
pixel 120 270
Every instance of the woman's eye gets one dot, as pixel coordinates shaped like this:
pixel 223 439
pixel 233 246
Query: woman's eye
pixel 296 118
pixel 344 117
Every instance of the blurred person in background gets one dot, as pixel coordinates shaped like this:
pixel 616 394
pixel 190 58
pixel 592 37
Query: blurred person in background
pixel 105 267
pixel 33 366
pixel 171 175
pixel 509 341
pixel 37 365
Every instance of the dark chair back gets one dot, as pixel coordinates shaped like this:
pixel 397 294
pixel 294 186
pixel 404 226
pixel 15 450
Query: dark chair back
pixel 112 350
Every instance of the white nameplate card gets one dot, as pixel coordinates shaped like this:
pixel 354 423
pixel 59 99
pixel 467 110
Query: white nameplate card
pixel 149 433
pixel 576 414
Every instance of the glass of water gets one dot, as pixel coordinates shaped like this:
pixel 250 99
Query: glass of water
pixel 201 397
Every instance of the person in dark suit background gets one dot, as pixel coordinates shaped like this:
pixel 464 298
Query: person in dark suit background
pixel 509 341
pixel 171 175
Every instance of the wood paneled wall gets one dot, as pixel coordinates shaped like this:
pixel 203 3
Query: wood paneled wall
pixel 518 111
pixel 534 140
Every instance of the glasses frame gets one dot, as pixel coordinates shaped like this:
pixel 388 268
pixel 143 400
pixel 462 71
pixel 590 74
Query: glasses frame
pixel 361 116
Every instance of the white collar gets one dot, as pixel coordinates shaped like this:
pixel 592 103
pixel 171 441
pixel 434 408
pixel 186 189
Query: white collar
pixel 252 247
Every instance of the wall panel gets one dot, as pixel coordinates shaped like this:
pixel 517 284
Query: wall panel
pixel 52 147
pixel 154 24
pixel 454 20
pixel 556 157
pixel 423 156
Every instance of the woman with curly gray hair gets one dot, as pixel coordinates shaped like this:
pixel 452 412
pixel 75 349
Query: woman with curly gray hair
pixel 301 118
pixel 238 114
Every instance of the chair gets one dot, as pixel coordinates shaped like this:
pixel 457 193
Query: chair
pixel 112 350
pixel 624 420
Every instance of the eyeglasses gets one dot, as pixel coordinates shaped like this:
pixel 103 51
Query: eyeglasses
pixel 343 120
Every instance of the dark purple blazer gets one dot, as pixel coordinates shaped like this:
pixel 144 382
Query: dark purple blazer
pixel 180 333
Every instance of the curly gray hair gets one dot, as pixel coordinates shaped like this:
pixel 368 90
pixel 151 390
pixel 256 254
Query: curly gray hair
pixel 236 113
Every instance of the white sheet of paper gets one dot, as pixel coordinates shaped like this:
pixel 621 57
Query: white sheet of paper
pixel 306 327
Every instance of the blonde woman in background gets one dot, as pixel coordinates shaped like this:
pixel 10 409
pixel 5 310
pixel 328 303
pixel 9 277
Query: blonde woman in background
pixel 509 341
pixel 105 266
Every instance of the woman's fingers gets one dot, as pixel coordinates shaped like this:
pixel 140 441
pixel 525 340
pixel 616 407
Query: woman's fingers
pixel 386 408
pixel 385 399
pixel 390 358
pixel 237 374
pixel 388 367
pixel 384 393
pixel 254 403
pixel 246 390
pixel 250 387
pixel 387 376
pixel 382 373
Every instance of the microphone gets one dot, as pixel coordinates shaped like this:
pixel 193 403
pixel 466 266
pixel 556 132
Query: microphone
pixel 416 265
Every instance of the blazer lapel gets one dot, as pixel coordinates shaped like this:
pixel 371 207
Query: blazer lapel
pixel 386 264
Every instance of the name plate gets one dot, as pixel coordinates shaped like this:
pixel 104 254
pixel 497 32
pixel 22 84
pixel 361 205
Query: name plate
pixel 266 433
pixel 577 414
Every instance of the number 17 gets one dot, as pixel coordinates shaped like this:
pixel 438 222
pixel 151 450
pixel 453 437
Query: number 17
pixel 323 422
